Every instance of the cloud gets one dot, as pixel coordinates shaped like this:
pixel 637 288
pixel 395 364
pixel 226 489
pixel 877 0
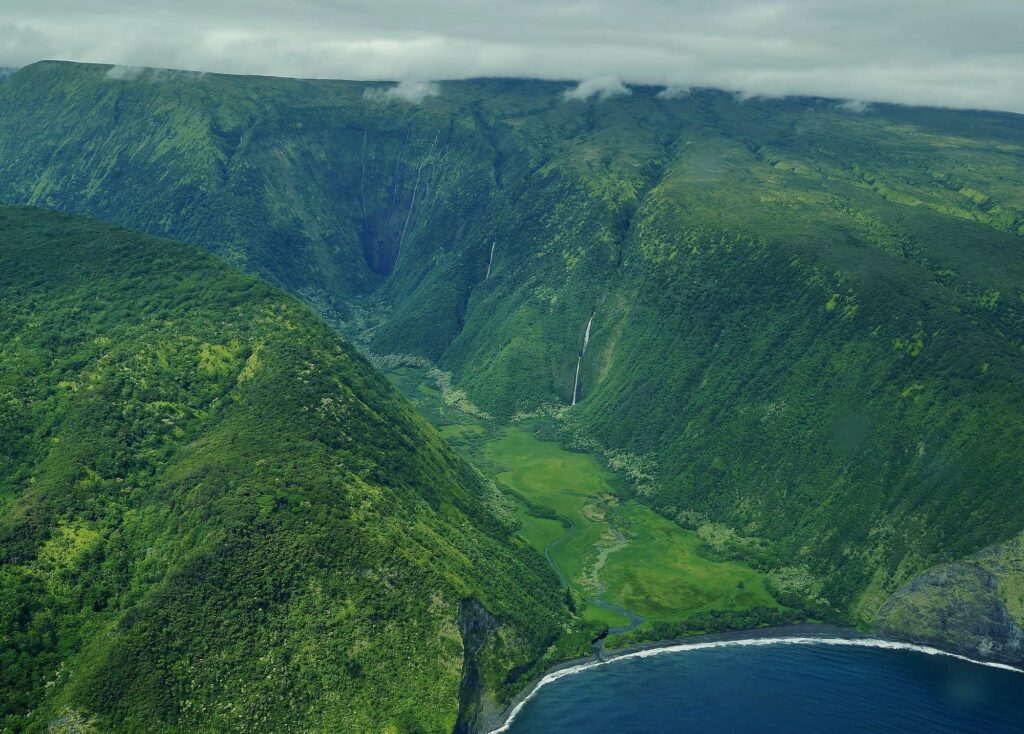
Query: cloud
pixel 413 92
pixel 21 43
pixel 957 54
pixel 603 87
pixel 132 73
pixel 745 95
pixel 857 106
pixel 125 73
pixel 674 92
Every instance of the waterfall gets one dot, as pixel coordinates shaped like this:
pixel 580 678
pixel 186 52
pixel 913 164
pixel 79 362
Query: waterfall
pixel 436 175
pixel 395 178
pixel 491 260
pixel 575 384
pixel 412 202
pixel 586 341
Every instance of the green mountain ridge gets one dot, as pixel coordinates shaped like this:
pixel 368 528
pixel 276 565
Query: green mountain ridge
pixel 215 515
pixel 807 322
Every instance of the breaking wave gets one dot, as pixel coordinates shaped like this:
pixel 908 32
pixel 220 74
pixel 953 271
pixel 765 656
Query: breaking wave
pixel 751 642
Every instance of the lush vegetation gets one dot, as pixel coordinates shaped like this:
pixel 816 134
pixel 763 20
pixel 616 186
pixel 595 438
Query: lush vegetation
pixel 710 622
pixel 807 321
pixel 216 516
pixel 975 605
pixel 665 573
pixel 622 553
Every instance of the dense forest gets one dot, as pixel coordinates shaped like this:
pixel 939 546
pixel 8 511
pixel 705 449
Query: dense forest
pixel 215 515
pixel 805 319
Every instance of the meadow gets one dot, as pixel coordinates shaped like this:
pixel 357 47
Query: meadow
pixel 570 508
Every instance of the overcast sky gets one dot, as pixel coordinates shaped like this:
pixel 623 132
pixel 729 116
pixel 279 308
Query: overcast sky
pixel 958 53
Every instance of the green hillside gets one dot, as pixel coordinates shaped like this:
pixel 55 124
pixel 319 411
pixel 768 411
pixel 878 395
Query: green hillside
pixel 215 516
pixel 975 605
pixel 807 321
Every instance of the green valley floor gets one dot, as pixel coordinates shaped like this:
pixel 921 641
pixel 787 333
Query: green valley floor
pixel 613 553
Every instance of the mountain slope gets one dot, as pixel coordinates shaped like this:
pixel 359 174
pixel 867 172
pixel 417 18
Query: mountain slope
pixel 975 605
pixel 807 321
pixel 214 515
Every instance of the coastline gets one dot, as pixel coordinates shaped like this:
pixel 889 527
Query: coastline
pixel 797 634
pixel 492 724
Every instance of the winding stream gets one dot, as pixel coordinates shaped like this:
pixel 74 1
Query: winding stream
pixel 634 619
pixel 552 544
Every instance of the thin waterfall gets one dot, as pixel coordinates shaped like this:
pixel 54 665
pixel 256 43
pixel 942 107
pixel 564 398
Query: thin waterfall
pixel 412 202
pixel 586 341
pixel 491 260
pixel 575 385
pixel 396 177
pixel 436 174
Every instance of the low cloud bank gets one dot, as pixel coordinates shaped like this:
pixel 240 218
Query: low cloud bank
pixel 857 106
pixel 603 87
pixel 674 92
pixel 412 92
pixel 125 73
pixel 918 52
pixel 132 73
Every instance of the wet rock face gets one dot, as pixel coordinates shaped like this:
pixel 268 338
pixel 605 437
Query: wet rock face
pixel 476 625
pixel 960 607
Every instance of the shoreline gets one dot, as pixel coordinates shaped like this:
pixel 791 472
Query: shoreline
pixel 804 633
pixel 499 723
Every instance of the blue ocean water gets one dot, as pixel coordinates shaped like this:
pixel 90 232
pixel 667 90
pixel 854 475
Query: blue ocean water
pixel 780 688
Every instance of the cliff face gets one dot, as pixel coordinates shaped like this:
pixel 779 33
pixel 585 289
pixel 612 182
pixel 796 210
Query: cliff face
pixel 476 626
pixel 973 607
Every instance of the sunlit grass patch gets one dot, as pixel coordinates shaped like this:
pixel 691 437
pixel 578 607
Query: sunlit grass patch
pixel 662 574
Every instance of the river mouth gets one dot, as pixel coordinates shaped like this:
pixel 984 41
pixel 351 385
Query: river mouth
pixel 627 564
pixel 792 658
pixel 626 567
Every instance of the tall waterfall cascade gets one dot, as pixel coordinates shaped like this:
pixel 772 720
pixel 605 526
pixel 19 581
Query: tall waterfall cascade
pixel 412 201
pixel 586 341
pixel 489 262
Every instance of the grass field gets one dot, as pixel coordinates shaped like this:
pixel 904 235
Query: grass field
pixel 659 573
pixel 546 475
pixel 662 575
pixel 624 553
pixel 576 487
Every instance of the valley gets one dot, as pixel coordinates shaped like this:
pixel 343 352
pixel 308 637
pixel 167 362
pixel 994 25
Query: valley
pixel 796 327
pixel 616 555
pixel 421 397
